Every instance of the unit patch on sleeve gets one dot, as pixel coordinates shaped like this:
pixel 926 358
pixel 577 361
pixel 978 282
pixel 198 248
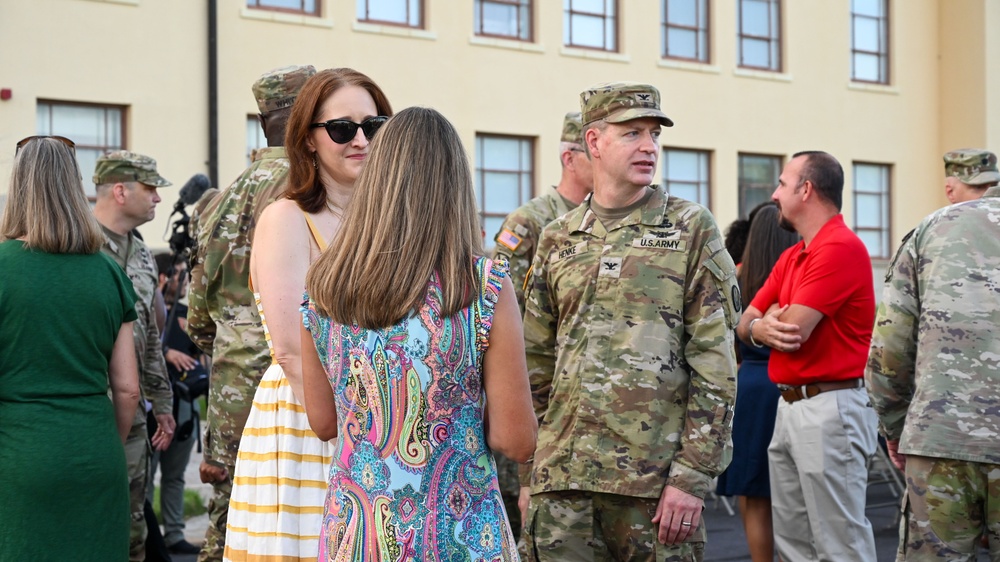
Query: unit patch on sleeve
pixel 509 239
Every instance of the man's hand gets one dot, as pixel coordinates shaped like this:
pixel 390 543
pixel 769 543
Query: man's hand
pixel 898 459
pixel 210 473
pixel 523 501
pixel 180 360
pixel 678 515
pixel 774 333
pixel 164 432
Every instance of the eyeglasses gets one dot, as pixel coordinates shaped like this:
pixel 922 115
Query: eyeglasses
pixel 341 131
pixel 26 140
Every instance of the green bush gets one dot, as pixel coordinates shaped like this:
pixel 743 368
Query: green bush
pixel 193 504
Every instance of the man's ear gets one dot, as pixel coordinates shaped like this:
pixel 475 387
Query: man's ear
pixel 590 138
pixel 118 190
pixel 949 192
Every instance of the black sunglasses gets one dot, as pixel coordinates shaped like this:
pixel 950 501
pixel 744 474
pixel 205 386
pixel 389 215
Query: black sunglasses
pixel 26 140
pixel 341 131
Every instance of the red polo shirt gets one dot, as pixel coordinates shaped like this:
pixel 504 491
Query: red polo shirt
pixel 834 276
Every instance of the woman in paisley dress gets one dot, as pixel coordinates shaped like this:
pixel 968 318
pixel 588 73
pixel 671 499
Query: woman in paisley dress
pixel 413 358
pixel 279 482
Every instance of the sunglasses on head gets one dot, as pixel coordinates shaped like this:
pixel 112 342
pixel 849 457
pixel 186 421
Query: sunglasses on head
pixel 341 131
pixel 26 140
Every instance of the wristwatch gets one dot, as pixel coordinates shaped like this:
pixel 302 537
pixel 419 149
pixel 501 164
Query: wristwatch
pixel 750 331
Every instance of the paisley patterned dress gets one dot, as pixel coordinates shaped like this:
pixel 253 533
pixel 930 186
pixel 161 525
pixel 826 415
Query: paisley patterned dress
pixel 412 476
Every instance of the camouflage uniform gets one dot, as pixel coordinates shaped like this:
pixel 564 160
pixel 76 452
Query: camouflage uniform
pixel 933 369
pixel 516 242
pixel 134 257
pixel 223 319
pixel 629 341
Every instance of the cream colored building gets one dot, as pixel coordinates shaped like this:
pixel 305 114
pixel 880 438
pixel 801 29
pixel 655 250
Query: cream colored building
pixel 886 86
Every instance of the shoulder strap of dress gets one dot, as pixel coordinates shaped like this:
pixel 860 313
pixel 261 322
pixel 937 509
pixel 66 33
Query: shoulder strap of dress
pixel 317 237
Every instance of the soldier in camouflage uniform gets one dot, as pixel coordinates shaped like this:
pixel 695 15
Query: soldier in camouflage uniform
pixel 126 198
pixel 222 316
pixel 959 186
pixel 516 242
pixel 934 371
pixel 628 323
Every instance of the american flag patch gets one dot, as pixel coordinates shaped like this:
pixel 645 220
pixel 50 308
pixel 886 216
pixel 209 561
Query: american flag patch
pixel 509 239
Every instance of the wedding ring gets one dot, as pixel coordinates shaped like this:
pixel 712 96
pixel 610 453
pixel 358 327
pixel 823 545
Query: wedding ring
pixel 685 524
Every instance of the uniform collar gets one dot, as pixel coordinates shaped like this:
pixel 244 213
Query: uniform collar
pixel 650 214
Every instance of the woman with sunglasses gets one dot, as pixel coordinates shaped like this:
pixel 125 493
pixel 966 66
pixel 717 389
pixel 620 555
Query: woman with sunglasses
pixel 66 313
pixel 280 480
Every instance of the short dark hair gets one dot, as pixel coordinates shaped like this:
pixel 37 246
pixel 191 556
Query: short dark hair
pixel 826 173
pixel 164 263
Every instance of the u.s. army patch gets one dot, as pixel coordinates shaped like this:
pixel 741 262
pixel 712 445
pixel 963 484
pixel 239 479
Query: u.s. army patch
pixel 509 239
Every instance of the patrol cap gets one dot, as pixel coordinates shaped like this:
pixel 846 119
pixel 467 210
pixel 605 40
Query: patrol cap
pixel 125 166
pixel 973 166
pixel 572 127
pixel 617 102
pixel 276 89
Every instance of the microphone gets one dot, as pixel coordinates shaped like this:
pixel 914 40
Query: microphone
pixel 194 189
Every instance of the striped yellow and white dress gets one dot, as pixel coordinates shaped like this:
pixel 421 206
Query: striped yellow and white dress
pixel 281 476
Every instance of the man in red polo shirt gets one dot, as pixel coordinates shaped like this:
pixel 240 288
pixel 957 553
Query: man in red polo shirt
pixel 816 312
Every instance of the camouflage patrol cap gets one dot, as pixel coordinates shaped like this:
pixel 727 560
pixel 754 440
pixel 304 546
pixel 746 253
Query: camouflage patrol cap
pixel 125 166
pixel 973 166
pixel 277 88
pixel 617 102
pixel 572 127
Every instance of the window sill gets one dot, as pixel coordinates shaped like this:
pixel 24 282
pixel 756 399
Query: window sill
pixel 874 88
pixel 594 54
pixel 284 17
pixel 125 2
pixel 511 44
pixel 691 66
pixel 394 30
pixel 762 75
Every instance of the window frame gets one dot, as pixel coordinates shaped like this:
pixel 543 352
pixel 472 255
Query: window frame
pixel 80 146
pixel 665 27
pixel 702 183
pixel 518 5
pixel 743 209
pixel 256 5
pixel 886 199
pixel 479 179
pixel 421 20
pixel 882 54
pixel 568 13
pixel 777 37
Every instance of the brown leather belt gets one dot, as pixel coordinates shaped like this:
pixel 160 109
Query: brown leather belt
pixel 796 393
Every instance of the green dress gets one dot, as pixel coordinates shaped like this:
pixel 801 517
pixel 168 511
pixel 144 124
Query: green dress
pixel 63 487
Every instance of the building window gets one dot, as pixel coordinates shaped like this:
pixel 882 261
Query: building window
pixel 685 30
pixel 870 41
pixel 685 174
pixel 255 137
pixel 760 34
pixel 758 176
pixel 308 7
pixel 96 129
pixel 871 207
pixel 510 19
pixel 504 171
pixel 397 12
pixel 592 24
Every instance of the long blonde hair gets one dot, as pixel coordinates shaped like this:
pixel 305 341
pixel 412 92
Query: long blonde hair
pixel 413 214
pixel 46 205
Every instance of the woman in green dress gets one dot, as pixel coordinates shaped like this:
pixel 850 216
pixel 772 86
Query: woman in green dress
pixel 66 314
